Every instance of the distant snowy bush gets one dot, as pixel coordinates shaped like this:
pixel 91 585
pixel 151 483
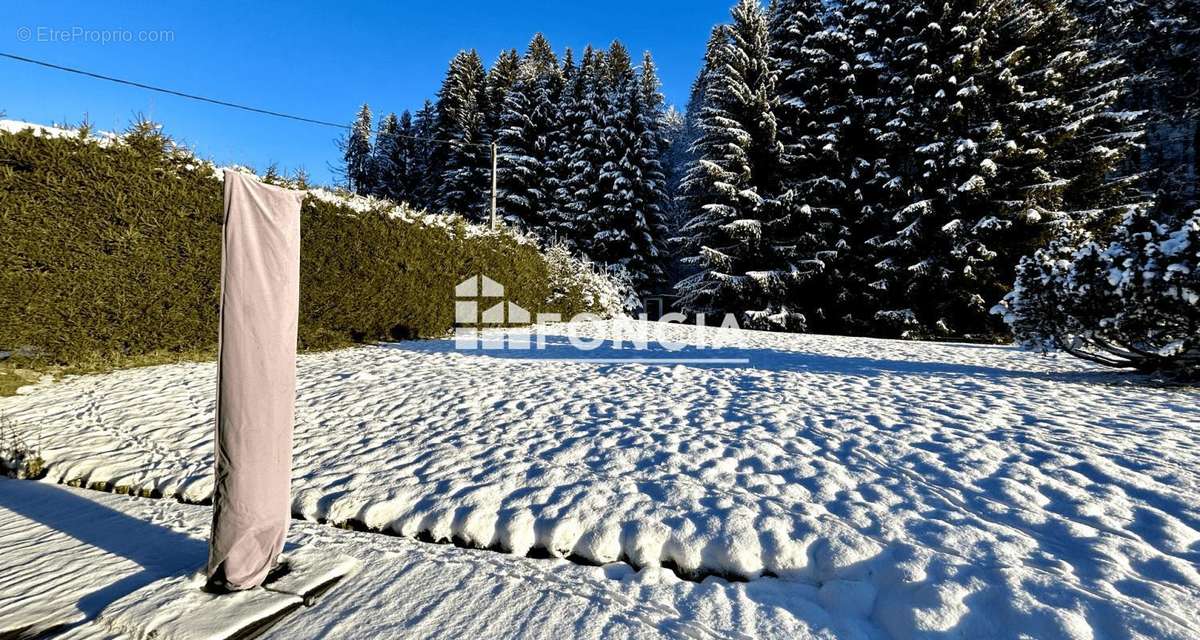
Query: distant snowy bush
pixel 605 293
pixel 1131 302
pixel 18 457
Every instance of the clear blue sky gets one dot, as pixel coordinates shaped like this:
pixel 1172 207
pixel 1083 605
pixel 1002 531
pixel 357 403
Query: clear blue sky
pixel 317 59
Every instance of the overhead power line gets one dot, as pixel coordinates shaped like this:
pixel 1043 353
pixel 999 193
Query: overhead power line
pixel 222 103
pixel 180 94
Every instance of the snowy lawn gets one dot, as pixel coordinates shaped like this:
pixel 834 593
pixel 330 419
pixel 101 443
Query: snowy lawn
pixel 69 553
pixel 889 489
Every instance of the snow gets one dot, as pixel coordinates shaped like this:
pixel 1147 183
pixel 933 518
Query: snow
pixel 176 608
pixel 865 488
pixel 102 138
pixel 76 558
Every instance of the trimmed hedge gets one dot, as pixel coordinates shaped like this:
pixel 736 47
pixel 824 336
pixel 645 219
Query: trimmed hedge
pixel 112 250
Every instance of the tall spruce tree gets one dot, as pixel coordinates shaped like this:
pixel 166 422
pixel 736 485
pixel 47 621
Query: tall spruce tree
pixel 500 80
pixel 1003 131
pixel 387 158
pixel 582 194
pixel 462 161
pixel 822 129
pixel 359 168
pixel 525 138
pixel 398 164
pixel 737 233
pixel 424 131
pixel 566 132
pixel 631 214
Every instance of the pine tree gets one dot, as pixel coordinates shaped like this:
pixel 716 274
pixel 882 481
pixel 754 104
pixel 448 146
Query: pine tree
pixel 590 111
pixel 462 161
pixel 359 169
pixel 1006 132
pixel 612 200
pixel 632 228
pixel 421 168
pixel 398 166
pixel 737 233
pixel 822 122
pixel 500 80
pixel 565 134
pixel 525 137
pixel 387 158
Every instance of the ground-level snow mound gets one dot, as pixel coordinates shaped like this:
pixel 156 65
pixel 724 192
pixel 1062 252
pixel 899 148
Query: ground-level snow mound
pixel 920 488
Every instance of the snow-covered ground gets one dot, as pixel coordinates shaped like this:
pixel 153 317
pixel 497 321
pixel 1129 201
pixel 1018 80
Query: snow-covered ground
pixel 866 488
pixel 67 554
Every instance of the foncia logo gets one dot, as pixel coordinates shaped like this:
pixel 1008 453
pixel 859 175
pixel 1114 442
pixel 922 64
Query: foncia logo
pixel 479 305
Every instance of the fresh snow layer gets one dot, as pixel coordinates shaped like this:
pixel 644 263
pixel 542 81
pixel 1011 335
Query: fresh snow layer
pixel 82 561
pixel 901 489
pixel 177 608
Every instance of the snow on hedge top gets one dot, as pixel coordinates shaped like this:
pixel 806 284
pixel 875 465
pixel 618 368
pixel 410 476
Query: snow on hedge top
pixel 610 293
pixel 102 138
pixel 356 203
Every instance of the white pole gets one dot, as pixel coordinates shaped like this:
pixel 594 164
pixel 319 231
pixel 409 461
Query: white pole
pixel 493 186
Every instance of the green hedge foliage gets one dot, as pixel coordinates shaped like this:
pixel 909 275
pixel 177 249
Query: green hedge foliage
pixel 112 251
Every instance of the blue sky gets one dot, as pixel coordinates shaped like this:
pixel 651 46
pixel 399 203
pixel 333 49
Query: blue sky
pixel 317 59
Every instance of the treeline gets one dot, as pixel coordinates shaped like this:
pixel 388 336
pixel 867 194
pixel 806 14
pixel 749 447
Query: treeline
pixel 881 166
pixel 868 167
pixel 580 152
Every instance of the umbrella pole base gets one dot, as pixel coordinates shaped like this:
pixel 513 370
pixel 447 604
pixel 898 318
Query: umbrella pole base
pixel 180 607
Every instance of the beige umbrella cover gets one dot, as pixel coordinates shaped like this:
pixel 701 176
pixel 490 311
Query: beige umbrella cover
pixel 256 379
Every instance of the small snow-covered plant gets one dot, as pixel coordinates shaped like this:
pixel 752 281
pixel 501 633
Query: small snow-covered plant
pixel 1133 301
pixel 18 458
pixel 607 293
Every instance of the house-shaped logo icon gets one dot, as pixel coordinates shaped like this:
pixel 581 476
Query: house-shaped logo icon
pixel 481 292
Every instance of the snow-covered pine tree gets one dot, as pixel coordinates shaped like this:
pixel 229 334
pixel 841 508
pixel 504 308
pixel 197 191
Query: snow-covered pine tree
pixel 397 164
pixel 1130 298
pixel 421 170
pixel 527 129
pixel 500 80
pixel 822 129
pixel 463 162
pixel 565 134
pixel 356 150
pixel 387 159
pixel 1002 131
pixel 653 188
pixel 1159 44
pixel 613 193
pixel 737 232
pixel 630 217
pixel 582 196
pixel 865 35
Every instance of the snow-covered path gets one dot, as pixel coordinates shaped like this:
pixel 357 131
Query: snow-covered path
pixel 902 489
